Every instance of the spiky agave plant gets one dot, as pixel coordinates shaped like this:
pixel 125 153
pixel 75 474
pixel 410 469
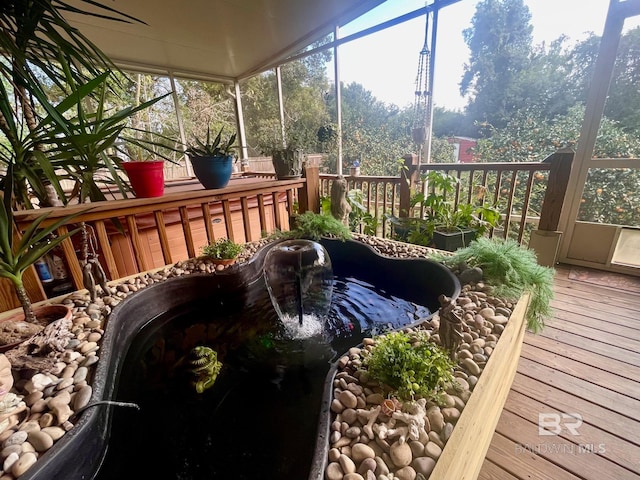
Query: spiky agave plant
pixel 511 269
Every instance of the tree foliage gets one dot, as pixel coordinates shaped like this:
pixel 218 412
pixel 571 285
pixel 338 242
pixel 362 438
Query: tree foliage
pixel 496 76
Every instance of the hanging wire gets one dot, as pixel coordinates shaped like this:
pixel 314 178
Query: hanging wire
pixel 422 94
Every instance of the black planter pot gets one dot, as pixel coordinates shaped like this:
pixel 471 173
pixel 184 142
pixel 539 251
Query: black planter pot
pixel 451 241
pixel 287 163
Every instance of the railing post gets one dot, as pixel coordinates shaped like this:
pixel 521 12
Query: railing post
pixel 309 195
pixel 408 177
pixel 556 188
pixel 546 239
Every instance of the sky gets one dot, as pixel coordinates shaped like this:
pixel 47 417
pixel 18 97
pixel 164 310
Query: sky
pixel 386 63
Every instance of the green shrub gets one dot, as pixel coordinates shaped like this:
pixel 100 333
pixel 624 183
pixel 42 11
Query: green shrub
pixel 410 364
pixel 510 269
pixel 314 226
pixel 223 249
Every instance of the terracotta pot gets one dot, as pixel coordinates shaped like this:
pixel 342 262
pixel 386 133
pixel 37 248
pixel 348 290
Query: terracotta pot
pixel 223 261
pixel 147 178
pixel 45 314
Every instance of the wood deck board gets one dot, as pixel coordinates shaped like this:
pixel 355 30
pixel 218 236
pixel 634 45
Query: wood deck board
pixel 586 361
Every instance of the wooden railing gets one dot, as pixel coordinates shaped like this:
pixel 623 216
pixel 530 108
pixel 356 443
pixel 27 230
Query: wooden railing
pixel 131 236
pixel 526 193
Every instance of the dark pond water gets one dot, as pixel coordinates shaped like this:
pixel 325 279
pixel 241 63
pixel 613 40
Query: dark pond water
pixel 259 419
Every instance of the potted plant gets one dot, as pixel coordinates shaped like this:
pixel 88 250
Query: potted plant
pixel 446 226
pixel 354 170
pixel 34 128
pixel 223 251
pixel 146 154
pixel 18 253
pixel 212 160
pixel 287 162
pixel 286 151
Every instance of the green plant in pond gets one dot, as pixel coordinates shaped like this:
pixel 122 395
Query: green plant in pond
pixel 223 249
pixel 314 226
pixel 410 364
pixel 510 269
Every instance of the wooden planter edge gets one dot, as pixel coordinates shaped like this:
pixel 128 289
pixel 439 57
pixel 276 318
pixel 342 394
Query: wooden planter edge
pixel 464 453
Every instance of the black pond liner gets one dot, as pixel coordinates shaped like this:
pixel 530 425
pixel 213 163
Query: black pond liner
pixel 80 452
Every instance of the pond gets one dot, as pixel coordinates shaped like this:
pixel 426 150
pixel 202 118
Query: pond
pixel 229 311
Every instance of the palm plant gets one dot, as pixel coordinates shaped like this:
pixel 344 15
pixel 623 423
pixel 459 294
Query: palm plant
pixel 38 42
pixel 17 253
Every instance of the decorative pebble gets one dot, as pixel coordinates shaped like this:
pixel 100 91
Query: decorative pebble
pixel 40 441
pixel 23 463
pixel 400 454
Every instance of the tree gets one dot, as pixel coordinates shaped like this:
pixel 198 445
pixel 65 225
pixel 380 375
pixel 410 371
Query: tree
pixel 500 43
pixel 609 195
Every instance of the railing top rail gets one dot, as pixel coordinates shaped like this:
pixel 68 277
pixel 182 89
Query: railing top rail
pixel 380 178
pixel 489 166
pixel 110 209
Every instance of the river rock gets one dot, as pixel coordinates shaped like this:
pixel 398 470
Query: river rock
pixel 347 464
pixel 436 419
pixel 400 454
pixel 471 366
pixel 360 452
pixel 352 476
pixel 348 399
pixel 333 471
pixel 23 463
pixel 40 441
pixel 9 461
pixel 17 438
pixel 367 465
pixel 424 465
pixel 432 450
pixel 406 473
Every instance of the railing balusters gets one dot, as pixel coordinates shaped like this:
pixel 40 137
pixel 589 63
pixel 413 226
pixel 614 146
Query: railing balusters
pixel 186 229
pixel 226 211
pixel 136 243
pixel 261 213
pixel 525 207
pixel 276 211
pixel 105 248
pixel 208 221
pixel 246 219
pixel 162 236
pixel 70 253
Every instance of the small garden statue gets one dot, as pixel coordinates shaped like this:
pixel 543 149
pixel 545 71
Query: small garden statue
pixel 11 405
pixel 205 367
pixel 451 325
pixel 340 208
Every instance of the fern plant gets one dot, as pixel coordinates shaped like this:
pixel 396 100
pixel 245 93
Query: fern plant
pixel 314 226
pixel 410 364
pixel 510 269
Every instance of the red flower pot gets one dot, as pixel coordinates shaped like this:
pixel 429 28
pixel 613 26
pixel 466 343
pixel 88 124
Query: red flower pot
pixel 147 178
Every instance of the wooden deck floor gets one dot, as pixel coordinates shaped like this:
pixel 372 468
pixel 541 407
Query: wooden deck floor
pixel 585 362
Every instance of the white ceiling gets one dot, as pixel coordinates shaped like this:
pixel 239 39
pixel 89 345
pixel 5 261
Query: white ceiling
pixel 219 39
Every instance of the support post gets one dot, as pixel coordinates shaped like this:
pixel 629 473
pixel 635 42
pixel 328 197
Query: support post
pixel 309 195
pixel 408 176
pixel 545 241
